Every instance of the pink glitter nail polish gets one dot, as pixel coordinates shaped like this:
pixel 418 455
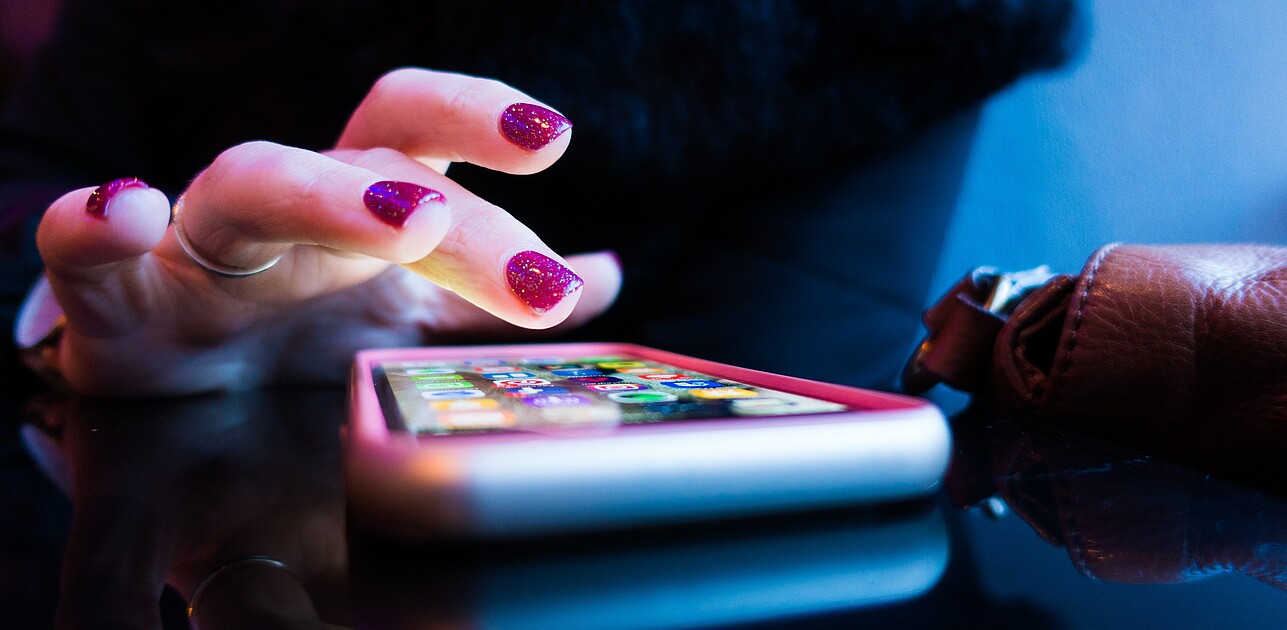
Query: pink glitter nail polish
pixel 393 202
pixel 540 281
pixel 532 126
pixel 96 206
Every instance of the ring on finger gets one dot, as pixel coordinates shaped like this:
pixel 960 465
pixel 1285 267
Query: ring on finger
pixel 205 263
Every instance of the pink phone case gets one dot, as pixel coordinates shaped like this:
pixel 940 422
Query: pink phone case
pixel 886 447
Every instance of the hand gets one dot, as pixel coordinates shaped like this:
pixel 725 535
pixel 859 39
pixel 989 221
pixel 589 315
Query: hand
pixel 144 318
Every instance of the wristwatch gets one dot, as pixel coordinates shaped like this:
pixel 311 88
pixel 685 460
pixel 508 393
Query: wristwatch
pixel 37 331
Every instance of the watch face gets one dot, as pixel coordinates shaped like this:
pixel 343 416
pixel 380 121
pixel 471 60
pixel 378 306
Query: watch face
pixel 39 319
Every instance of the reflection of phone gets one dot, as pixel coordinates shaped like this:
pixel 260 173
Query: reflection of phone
pixel 513 440
pixel 744 572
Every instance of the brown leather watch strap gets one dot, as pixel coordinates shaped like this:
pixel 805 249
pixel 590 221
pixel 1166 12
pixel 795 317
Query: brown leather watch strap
pixel 963 328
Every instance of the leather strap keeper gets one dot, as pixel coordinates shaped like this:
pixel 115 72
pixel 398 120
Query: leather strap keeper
pixel 1181 349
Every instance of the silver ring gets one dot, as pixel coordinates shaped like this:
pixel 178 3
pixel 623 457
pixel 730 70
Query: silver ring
pixel 207 264
pixel 229 568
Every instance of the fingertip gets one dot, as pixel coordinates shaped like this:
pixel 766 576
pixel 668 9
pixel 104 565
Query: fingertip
pixel 88 227
pixel 540 133
pixel 602 274
pixel 541 283
pixel 440 117
pixel 422 232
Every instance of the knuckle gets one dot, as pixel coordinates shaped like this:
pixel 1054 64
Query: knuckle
pixel 393 82
pixel 482 224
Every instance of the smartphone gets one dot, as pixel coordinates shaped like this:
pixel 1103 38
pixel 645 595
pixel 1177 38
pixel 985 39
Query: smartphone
pixel 505 441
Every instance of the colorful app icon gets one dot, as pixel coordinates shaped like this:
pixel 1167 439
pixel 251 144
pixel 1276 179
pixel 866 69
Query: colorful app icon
pixel 501 376
pixel 523 392
pixel 691 384
pixel 420 378
pixel 563 366
pixel 602 359
pixel 444 385
pixel 617 365
pixel 642 370
pixel 520 382
pixel 477 404
pixel 560 400
pixel 452 394
pixel 665 376
pixel 640 397
pixel 617 387
pixel 498 368
pixel 494 419
pixel 717 393
pixel 420 371
pixel 575 372
pixel 586 380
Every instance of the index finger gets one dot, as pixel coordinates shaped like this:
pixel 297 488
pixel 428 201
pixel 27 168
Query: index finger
pixel 435 116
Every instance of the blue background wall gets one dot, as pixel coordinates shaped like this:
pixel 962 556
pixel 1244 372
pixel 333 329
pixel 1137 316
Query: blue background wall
pixel 1171 127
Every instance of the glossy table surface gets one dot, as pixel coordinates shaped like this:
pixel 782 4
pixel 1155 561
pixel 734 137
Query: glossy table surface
pixel 1033 528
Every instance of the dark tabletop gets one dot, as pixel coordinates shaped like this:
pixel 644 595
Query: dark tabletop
pixel 1033 528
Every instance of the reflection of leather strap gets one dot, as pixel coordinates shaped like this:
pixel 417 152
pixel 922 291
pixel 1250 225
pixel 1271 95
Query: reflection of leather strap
pixel 38 330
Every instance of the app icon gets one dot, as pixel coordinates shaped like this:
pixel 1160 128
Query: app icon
pixel 716 393
pixel 420 371
pixel 477 404
pixel 617 387
pixel 451 394
pixel 444 385
pixel 691 384
pixel 576 372
pixel 564 366
pixel 498 368
pixel 642 397
pixel 520 382
pixel 665 376
pixel 643 370
pixel 483 362
pixel 500 376
pixel 523 392
pixel 420 378
pixel 558 400
pixel 617 365
pixel 496 419
pixel 586 380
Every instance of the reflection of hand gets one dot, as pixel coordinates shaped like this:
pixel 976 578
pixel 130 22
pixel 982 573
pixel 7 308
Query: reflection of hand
pixel 144 318
pixel 171 491
pixel 1130 519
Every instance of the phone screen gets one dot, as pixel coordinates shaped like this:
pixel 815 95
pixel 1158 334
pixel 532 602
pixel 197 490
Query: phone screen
pixel 440 398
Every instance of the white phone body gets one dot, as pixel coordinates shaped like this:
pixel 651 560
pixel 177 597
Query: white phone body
pixel 494 459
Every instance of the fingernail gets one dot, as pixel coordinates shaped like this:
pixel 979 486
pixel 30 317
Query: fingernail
pixel 393 202
pixel 540 281
pixel 532 126
pixel 96 206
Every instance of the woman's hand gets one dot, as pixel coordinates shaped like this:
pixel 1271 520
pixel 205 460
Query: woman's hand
pixel 145 317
